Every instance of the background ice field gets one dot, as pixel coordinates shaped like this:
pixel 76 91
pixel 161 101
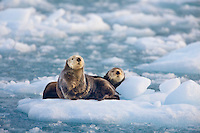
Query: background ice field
pixel 155 42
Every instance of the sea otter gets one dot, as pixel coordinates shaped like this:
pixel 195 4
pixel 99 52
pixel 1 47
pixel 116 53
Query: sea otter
pixel 74 84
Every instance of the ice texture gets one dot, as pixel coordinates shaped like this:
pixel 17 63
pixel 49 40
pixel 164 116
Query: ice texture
pixel 29 22
pixel 10 44
pixel 187 93
pixel 113 60
pixel 30 87
pixel 183 60
pixel 133 86
pixel 156 46
pixel 37 36
pixel 110 111
pixel 123 31
pixel 169 85
pixel 138 104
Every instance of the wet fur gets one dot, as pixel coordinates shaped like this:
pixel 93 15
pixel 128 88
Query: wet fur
pixel 50 91
pixel 97 85
pixel 112 81
pixel 74 84
pixel 71 84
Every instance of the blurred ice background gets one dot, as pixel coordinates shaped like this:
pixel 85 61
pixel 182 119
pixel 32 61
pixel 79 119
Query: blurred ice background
pixel 155 42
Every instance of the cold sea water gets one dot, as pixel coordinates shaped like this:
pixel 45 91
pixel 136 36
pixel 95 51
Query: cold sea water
pixel 37 36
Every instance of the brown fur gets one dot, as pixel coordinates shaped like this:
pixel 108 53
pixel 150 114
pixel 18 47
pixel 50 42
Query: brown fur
pixel 74 84
pixel 115 76
pixel 96 83
pixel 50 91
pixel 100 89
pixel 71 84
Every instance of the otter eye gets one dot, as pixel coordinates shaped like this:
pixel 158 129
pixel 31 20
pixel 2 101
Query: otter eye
pixel 72 58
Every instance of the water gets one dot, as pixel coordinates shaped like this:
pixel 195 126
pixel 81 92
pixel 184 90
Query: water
pixel 95 45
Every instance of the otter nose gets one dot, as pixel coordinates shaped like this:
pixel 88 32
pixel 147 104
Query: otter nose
pixel 117 72
pixel 78 59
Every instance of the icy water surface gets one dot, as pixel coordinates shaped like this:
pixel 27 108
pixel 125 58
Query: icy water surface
pixel 37 36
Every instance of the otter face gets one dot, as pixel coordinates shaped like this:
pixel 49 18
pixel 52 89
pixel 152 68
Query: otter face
pixel 75 62
pixel 116 74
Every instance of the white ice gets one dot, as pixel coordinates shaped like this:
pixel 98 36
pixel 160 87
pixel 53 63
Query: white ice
pixel 133 86
pixel 183 60
pixel 30 87
pixel 156 45
pixel 110 111
pixel 10 44
pixel 113 60
pixel 187 93
pixel 176 105
pixel 29 22
pixel 124 31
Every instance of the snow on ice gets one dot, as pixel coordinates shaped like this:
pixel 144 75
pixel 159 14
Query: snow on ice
pixel 183 60
pixel 175 105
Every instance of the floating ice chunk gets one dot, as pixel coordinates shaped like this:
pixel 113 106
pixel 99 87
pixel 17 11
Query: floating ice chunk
pixel 4 29
pixel 133 86
pixel 110 111
pixel 47 48
pixel 95 55
pixel 26 21
pixel 51 31
pixel 55 16
pixel 123 31
pixel 131 40
pixel 133 19
pixel 156 45
pixel 193 36
pixel 169 85
pixel 41 4
pixel 159 78
pixel 71 7
pixel 16 17
pixel 10 44
pixel 129 73
pixel 78 24
pixel 184 60
pixel 113 60
pixel 187 93
pixel 35 130
pixel 34 87
pixel 117 47
pixel 152 97
pixel 126 17
pixel 24 47
pixel 172 1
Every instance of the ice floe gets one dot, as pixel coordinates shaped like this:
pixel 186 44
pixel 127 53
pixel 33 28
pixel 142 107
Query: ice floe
pixel 169 85
pixel 113 60
pixel 133 86
pixel 187 93
pixel 176 105
pixel 156 45
pixel 42 5
pixel 29 22
pixel 9 44
pixel 29 87
pixel 124 31
pixel 111 111
pixel 183 60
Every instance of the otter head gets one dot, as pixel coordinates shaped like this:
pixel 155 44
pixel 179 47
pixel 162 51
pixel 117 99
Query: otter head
pixel 116 74
pixel 75 62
